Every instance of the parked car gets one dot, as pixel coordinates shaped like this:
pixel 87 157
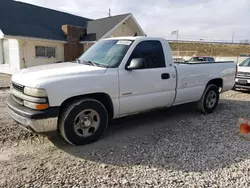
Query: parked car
pixel 178 59
pixel 116 77
pixel 243 76
pixel 201 59
pixel 244 55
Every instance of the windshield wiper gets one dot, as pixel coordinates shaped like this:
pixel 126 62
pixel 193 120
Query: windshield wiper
pixel 91 62
pixel 94 64
pixel 104 65
pixel 76 61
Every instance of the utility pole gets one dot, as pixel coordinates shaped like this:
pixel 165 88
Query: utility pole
pixel 109 12
pixel 211 52
pixel 233 38
pixel 177 35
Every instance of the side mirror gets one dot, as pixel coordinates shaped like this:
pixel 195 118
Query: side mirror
pixel 136 63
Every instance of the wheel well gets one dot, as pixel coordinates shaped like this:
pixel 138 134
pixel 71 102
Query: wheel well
pixel 218 82
pixel 102 97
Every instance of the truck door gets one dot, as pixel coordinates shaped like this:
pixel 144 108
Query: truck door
pixel 150 87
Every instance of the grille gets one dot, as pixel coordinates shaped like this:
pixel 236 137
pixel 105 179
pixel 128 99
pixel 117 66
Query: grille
pixel 243 74
pixel 17 99
pixel 243 84
pixel 17 87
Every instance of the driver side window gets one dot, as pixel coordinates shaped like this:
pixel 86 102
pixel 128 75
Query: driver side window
pixel 152 52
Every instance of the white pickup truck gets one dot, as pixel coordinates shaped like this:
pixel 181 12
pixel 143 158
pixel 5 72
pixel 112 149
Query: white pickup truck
pixel 115 77
pixel 243 75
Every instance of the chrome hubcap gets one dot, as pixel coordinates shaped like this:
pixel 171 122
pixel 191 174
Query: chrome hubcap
pixel 86 123
pixel 211 99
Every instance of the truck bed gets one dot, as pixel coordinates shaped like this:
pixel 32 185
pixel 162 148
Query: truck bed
pixel 193 77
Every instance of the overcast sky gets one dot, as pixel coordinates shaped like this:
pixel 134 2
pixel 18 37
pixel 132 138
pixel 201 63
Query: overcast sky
pixel 195 19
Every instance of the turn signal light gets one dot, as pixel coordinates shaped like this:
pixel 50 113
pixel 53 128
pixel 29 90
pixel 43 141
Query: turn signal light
pixel 41 106
pixel 36 106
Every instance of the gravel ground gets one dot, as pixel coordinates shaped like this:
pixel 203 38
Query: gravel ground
pixel 5 80
pixel 176 147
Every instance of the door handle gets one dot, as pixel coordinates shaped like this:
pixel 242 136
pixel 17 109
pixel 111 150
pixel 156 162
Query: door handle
pixel 165 76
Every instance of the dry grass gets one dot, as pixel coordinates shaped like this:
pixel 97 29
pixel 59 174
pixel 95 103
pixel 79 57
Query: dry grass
pixel 214 49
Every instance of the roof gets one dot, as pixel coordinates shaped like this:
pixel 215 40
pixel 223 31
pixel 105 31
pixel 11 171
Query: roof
pixel 22 19
pixel 130 38
pixel 101 26
pixel 26 20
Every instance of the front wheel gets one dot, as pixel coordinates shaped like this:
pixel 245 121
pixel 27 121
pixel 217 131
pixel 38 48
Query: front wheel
pixel 83 122
pixel 209 100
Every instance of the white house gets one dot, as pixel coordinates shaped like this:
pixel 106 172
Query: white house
pixel 33 35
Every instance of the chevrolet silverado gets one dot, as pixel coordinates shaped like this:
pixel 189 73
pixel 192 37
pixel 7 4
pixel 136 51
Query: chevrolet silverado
pixel 115 77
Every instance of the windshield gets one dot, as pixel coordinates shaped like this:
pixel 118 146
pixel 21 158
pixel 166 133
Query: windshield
pixel 107 53
pixel 245 63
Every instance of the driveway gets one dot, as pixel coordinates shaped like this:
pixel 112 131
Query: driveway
pixel 5 80
pixel 176 147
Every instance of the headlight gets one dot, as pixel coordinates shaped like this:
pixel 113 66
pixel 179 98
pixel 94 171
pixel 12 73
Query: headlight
pixel 35 92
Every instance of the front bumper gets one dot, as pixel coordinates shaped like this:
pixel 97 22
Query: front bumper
pixel 239 84
pixel 32 120
pixel 242 86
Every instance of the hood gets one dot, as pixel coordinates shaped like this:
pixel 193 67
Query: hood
pixel 34 76
pixel 243 69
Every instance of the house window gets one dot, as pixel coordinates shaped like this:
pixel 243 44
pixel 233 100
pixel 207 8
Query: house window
pixel 45 51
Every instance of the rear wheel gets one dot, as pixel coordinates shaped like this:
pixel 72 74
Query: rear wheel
pixel 83 122
pixel 209 100
pixel 234 88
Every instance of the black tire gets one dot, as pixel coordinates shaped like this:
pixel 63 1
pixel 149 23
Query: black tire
pixel 68 118
pixel 203 105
